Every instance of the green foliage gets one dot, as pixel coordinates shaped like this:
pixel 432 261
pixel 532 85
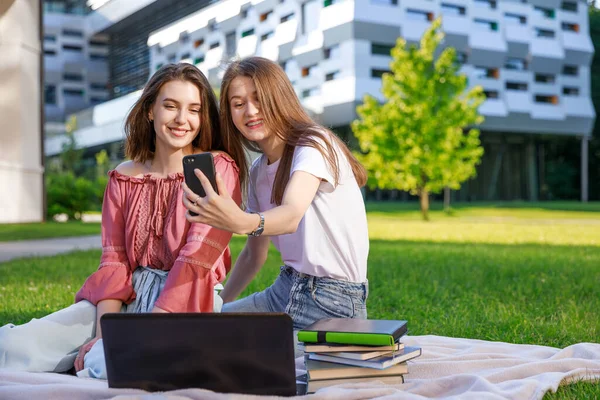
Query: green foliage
pixel 417 140
pixel 67 194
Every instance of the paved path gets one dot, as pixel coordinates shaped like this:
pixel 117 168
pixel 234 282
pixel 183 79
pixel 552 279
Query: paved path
pixel 47 247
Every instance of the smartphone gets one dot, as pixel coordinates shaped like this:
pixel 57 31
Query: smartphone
pixel 205 163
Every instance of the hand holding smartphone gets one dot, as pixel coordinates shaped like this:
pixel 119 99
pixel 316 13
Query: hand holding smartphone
pixel 205 163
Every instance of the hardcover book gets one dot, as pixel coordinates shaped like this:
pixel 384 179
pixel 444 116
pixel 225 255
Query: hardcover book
pixel 313 386
pixel 332 347
pixel 318 370
pixel 381 362
pixel 371 332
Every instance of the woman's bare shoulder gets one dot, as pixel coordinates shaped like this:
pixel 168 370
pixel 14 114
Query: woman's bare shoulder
pixel 131 168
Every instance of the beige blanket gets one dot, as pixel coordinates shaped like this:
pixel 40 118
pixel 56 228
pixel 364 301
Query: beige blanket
pixel 448 368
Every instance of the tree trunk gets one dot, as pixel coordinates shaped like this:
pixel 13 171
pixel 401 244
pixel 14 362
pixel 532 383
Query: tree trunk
pixel 424 200
pixel 446 199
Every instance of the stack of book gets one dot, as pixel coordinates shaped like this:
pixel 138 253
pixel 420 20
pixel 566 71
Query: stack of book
pixel 344 350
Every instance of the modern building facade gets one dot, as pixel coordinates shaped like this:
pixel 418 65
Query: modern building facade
pixel 21 158
pixel 75 63
pixel 532 58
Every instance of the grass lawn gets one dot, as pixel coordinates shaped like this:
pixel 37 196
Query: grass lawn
pixel 9 232
pixel 521 275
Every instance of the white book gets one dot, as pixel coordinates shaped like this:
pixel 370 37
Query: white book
pixel 313 386
pixel 381 362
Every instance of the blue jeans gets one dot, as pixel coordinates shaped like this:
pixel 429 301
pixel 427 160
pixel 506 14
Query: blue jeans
pixel 306 298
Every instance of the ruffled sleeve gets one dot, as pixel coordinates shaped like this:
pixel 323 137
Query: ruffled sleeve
pixel 204 260
pixel 112 280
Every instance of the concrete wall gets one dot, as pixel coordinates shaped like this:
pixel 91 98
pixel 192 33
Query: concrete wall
pixel 21 169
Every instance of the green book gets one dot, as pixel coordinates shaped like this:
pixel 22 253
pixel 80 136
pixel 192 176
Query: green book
pixel 368 332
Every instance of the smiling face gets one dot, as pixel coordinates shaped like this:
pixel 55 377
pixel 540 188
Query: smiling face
pixel 245 110
pixel 176 115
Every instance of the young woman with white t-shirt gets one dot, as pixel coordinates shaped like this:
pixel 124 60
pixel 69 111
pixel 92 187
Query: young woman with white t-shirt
pixel 303 194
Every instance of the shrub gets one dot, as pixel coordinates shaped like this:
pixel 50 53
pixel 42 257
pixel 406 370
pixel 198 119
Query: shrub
pixel 69 195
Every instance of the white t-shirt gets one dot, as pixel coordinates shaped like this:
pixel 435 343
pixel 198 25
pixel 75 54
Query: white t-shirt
pixel 332 239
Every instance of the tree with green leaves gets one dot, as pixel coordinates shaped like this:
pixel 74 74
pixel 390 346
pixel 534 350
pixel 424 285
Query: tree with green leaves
pixel 422 138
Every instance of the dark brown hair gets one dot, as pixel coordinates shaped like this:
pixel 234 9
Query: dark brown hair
pixel 140 143
pixel 286 118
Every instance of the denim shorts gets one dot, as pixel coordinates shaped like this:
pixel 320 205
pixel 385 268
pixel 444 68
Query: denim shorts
pixel 307 298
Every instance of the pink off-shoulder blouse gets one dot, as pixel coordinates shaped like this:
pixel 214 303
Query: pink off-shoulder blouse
pixel 143 224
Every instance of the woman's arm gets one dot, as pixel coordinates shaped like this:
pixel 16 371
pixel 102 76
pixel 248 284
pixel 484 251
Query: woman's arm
pixel 249 262
pixel 220 211
pixel 103 307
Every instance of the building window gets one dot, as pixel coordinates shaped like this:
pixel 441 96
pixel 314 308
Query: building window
pixel 544 12
pixel 263 17
pixel 184 37
pixel 158 66
pixel 332 52
pixel 214 45
pixel 378 73
pixel 98 43
pixel 50 94
pixel 283 65
pixel 491 94
pixel 547 99
pixel 70 47
pixel 306 71
pixel 486 24
pixel 198 43
pixel 98 57
pixel 249 32
pixel 286 18
pixel 518 64
pixel 96 100
pixel 98 86
pixel 453 9
pixel 73 92
pixel 461 57
pixel 419 15
pixel 519 86
pixel 327 3
pixel 310 92
pixel 570 91
pixel 385 2
pixel 198 60
pixel 544 33
pixel 486 3
pixel 485 72
pixel 544 78
pixel 569 6
pixel 570 70
pixel 332 75
pixel 72 33
pixel 72 77
pixel 516 19
pixel 49 52
pixel 230 43
pixel 185 56
pixel 49 38
pixel 381 49
pixel 570 27
pixel 172 58
pixel 266 36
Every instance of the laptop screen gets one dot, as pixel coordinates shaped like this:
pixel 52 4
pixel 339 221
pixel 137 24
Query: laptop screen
pixel 250 353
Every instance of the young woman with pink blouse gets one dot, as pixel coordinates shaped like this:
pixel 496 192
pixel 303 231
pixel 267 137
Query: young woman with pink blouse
pixel 153 259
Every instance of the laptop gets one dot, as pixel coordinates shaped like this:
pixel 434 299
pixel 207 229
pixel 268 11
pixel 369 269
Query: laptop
pixel 249 353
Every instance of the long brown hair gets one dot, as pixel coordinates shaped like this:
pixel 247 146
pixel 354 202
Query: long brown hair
pixel 286 118
pixel 140 143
